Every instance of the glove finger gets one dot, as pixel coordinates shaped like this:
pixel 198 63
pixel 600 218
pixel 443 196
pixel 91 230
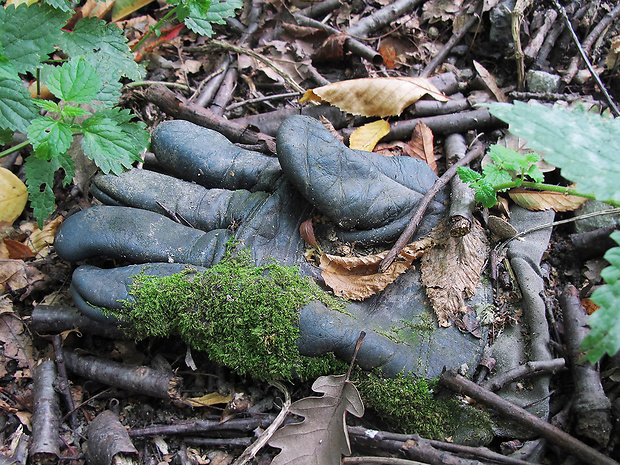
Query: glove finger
pixel 205 209
pixel 355 189
pixel 96 290
pixel 206 157
pixel 138 236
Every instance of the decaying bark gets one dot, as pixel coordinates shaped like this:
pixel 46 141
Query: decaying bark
pixel 175 106
pixel 527 370
pixel 58 318
pixel 591 407
pixel 564 440
pixel 44 448
pixel 462 201
pixel 382 17
pixel 108 442
pixel 138 379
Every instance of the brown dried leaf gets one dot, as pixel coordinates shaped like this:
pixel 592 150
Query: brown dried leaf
pixel 213 398
pixel 367 136
pixel 357 278
pixel 41 240
pixel 322 437
pixel 16 276
pixel 440 10
pixel 394 148
pixel 546 200
pixel 451 270
pixel 17 250
pixel 16 342
pixel 380 97
pixel 332 50
pixel 307 233
pixel 387 51
pixel 422 144
pixel 489 81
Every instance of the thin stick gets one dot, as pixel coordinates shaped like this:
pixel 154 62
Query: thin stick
pixel 572 445
pixel 261 99
pixel 381 461
pixel 582 52
pixel 423 204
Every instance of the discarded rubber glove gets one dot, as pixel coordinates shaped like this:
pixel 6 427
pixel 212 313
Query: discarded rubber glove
pixel 259 203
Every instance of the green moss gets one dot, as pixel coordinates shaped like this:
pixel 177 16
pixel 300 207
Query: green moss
pixel 242 315
pixel 409 404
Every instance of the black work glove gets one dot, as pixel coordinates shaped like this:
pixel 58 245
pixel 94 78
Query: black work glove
pixel 260 202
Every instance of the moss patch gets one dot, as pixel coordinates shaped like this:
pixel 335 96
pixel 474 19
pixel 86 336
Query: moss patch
pixel 408 403
pixel 242 315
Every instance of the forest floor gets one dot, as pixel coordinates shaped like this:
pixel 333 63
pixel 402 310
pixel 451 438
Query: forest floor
pixel 249 76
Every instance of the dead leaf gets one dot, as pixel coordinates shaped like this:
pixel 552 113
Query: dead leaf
pixel 307 233
pixel 322 437
pixel 332 50
pixel 489 81
pixel 367 136
pixel 17 250
pixel 451 270
pixel 41 240
pixel 123 8
pixel 13 196
pixel 387 51
pixel 357 278
pixel 380 97
pixel 394 148
pixel 17 276
pixel 422 145
pixel 546 200
pixel 613 57
pixel 440 10
pixel 330 127
pixel 96 9
pixel 213 398
pixel 17 345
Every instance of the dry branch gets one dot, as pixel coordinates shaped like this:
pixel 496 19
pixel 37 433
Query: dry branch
pixel 138 379
pixel 591 407
pixel 108 442
pixel 46 416
pixel 56 319
pixel 527 370
pixel 572 445
pixel 175 106
pixel 537 40
pixel 203 426
pixel 365 26
pixel 462 201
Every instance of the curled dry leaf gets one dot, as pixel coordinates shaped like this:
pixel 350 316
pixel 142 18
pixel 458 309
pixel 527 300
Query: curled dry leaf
pixel 16 342
pixel 41 240
pixel 451 270
pixel 213 398
pixel 357 278
pixel 422 144
pixel 307 233
pixel 489 81
pixel 13 196
pixel 367 136
pixel 546 200
pixel 374 96
pixel 17 276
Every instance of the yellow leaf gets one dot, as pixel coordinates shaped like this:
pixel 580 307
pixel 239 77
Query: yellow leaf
pixel 309 96
pixel 212 398
pixel 41 239
pixel 16 3
pixel 123 8
pixel 546 200
pixel 13 196
pixel 367 136
pixel 375 96
pixel 357 278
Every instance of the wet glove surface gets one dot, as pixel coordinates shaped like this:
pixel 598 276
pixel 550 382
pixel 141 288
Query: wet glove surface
pixel 260 202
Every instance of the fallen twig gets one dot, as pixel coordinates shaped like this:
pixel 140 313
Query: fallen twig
pixel 527 370
pixel 261 99
pixel 591 408
pixel 516 21
pixel 381 460
pixel 45 417
pixel 177 107
pixel 462 201
pixel 423 204
pixel 108 442
pixel 572 445
pixel 365 26
pixel 139 379
pixel 58 318
pixel 537 40
pixel 318 9
pixel 63 381
pixel 203 426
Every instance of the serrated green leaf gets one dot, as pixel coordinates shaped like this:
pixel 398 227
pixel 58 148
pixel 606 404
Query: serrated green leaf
pixel 47 105
pixel 105 47
pixel 29 33
pixel 532 157
pixel 75 81
pixel 583 145
pixel 467 174
pixel 70 111
pixel 16 107
pixel 40 182
pixel 108 145
pixel 6 136
pixel 485 194
pixel 7 69
pixel 494 175
pixel 218 10
pixel 507 159
pixel 64 5
pixel 49 138
pixel 535 173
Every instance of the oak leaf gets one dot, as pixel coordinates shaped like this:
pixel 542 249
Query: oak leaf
pixel 367 136
pixel 381 97
pixel 451 270
pixel 357 278
pixel 546 200
pixel 321 438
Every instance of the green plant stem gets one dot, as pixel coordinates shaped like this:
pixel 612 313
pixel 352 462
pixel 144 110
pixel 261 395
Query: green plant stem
pixel 155 27
pixel 15 148
pixel 549 187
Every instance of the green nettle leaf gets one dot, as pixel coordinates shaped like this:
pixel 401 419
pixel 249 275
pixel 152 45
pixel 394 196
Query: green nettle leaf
pixel 7 69
pixel 74 81
pixel 29 33
pixel 535 173
pixel 47 105
pixel 604 336
pixel 6 136
pixel 49 138
pixel 583 145
pixel 70 111
pixel 467 174
pixel 111 146
pixel 200 21
pixel 64 5
pixel 494 175
pixel 485 194
pixel 40 181
pixel 16 107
